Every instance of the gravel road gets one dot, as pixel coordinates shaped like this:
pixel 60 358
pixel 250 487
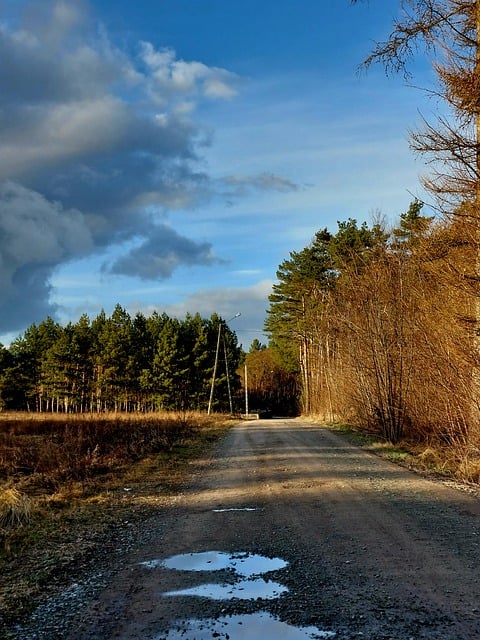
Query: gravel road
pixel 289 532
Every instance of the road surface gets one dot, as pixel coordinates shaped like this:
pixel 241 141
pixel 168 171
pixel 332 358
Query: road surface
pixel 291 532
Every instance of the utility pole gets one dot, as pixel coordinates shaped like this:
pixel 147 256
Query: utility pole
pixel 216 362
pixel 246 390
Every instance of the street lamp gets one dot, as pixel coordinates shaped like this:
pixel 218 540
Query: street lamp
pixel 216 363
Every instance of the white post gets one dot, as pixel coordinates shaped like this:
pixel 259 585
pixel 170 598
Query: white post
pixel 228 377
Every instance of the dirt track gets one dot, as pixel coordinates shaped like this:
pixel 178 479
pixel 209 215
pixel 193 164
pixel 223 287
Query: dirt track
pixel 373 551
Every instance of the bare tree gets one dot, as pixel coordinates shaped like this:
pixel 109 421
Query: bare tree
pixel 448 32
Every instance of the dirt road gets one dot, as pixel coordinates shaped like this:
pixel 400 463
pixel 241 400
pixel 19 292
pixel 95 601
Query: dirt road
pixel 291 532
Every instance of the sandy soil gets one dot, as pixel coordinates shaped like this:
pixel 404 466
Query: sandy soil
pixel 370 550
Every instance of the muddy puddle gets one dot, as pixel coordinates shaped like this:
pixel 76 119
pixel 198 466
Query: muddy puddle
pixel 242 563
pixel 242 627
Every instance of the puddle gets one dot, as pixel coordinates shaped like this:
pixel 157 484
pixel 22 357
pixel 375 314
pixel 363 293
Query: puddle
pixel 244 627
pixel 247 586
pixel 242 563
pixel 234 509
pixel 243 589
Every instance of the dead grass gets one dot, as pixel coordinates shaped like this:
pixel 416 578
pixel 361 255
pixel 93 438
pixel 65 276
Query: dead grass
pixel 455 460
pixel 52 520
pixel 54 449
pixel 15 509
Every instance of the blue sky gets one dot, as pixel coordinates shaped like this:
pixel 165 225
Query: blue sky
pixel 169 154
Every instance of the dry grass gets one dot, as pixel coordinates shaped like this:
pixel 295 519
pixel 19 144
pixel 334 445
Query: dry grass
pixel 50 526
pixel 456 460
pixel 54 449
pixel 459 462
pixel 15 509
pixel 50 461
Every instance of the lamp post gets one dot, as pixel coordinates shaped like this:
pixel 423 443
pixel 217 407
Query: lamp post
pixel 228 376
pixel 216 363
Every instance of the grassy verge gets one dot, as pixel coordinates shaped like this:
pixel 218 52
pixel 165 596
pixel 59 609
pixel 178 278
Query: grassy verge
pixel 55 516
pixel 453 461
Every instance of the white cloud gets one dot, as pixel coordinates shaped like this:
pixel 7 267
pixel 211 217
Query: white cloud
pixel 169 76
pixel 241 185
pixel 158 256
pixel 88 160
pixel 63 132
pixel 219 88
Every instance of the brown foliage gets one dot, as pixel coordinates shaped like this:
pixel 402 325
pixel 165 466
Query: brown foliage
pixel 405 348
pixel 55 449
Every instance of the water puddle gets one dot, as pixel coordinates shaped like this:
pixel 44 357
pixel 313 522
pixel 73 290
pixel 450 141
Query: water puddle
pixel 234 509
pixel 243 589
pixel 243 627
pixel 242 563
pixel 247 585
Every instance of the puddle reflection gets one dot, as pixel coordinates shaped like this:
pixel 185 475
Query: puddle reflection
pixel 244 589
pixel 234 509
pixel 247 586
pixel 243 627
pixel 243 563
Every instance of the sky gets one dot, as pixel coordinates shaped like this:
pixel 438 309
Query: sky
pixel 168 155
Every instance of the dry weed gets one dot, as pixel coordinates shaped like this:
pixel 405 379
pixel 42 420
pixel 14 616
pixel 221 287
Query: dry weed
pixel 51 450
pixel 15 509
pixel 428 456
pixel 466 464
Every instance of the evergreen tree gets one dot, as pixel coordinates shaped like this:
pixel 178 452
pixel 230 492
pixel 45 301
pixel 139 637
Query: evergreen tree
pixel 118 363
pixel 170 367
pixel 7 395
pixel 257 346
pixel 413 226
pixel 140 360
pixel 197 384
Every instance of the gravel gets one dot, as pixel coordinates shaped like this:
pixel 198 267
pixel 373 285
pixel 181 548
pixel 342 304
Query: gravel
pixel 373 550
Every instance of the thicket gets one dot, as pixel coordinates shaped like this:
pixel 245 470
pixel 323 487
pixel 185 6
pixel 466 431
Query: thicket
pixel 383 326
pixel 120 363
pixel 273 384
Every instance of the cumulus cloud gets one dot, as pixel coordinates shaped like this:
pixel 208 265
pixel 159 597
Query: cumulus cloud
pixel 99 147
pixel 250 302
pixel 171 77
pixel 96 146
pixel 35 236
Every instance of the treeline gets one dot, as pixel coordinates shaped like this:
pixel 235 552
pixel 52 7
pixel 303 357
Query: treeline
pixel 120 363
pixel 383 326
